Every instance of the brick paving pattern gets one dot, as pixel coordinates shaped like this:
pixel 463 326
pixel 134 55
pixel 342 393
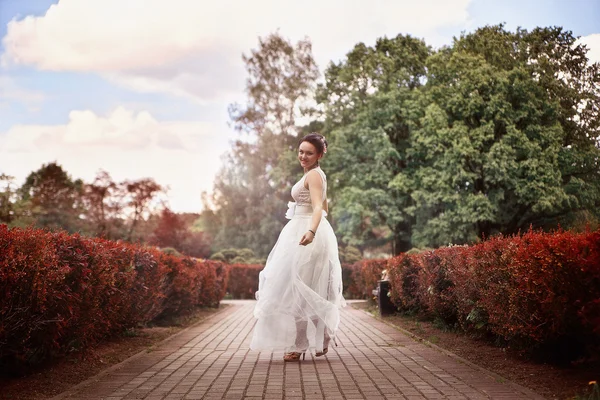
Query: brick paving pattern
pixel 373 361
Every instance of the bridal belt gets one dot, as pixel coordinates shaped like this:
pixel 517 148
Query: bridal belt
pixel 297 209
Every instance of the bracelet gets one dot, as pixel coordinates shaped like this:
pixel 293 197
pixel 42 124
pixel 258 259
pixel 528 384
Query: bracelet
pixel 313 232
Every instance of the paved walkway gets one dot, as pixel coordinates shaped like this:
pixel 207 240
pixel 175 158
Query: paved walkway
pixel 373 361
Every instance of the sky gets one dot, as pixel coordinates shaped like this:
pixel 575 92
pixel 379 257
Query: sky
pixel 140 88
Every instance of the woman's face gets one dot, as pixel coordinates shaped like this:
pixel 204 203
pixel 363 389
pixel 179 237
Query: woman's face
pixel 308 155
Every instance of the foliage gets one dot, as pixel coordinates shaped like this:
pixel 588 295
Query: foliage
pixel 101 203
pixel 104 208
pixel 7 199
pixel 253 187
pixel 352 282
pixel 497 132
pixel 349 255
pixel 138 197
pixel 60 292
pixel 371 273
pixel 537 290
pixel 53 197
pixel 171 251
pixel 172 231
pixel 366 99
pixel 492 134
pixel 243 280
pixel 237 256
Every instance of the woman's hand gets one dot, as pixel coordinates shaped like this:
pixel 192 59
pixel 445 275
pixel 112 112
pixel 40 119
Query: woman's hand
pixel 307 238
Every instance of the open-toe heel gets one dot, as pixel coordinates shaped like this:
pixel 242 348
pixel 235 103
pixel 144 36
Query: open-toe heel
pixel 321 353
pixel 326 348
pixel 294 356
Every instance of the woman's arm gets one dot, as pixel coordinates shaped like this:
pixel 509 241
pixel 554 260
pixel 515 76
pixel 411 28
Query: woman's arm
pixel 315 186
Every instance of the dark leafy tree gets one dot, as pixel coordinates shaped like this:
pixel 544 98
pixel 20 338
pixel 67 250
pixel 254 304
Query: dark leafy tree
pixel 53 198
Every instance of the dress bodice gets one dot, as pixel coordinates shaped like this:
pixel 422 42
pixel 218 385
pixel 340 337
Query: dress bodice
pixel 301 194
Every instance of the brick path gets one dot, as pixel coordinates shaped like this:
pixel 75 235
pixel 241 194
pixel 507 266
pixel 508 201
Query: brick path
pixel 373 361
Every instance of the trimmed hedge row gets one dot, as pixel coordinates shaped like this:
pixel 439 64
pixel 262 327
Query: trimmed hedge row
pixel 243 280
pixel 539 290
pixel 359 279
pixel 61 292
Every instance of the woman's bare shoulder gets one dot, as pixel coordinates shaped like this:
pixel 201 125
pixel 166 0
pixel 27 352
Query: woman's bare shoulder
pixel 313 177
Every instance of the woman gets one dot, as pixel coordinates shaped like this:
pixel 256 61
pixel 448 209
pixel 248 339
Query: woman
pixel 300 288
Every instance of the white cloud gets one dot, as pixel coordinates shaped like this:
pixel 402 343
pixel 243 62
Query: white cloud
pixel 182 155
pixel 593 44
pixel 194 48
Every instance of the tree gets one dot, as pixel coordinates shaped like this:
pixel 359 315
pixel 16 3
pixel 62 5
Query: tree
pixel 53 197
pixel 7 199
pixel 101 204
pixel 253 187
pixel 280 77
pixel 171 230
pixel 491 133
pixel 393 63
pixel 349 255
pixel 497 132
pixel 572 83
pixel 366 98
pixel 196 244
pixel 138 199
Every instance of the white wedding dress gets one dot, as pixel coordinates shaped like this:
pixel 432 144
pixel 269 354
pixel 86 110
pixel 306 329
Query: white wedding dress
pixel 300 289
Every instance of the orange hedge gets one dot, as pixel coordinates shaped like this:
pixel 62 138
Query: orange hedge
pixel 60 292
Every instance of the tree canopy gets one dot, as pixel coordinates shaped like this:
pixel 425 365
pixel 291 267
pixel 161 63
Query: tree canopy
pixel 495 133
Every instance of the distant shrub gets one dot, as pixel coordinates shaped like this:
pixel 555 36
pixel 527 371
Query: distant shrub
pixel 218 257
pixel 171 251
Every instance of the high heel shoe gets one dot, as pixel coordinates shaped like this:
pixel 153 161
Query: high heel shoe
pixel 325 349
pixel 321 353
pixel 293 356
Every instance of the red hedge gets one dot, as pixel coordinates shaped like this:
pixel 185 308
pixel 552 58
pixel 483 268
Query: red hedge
pixel 243 280
pixel 60 292
pixel 353 282
pixel 371 271
pixel 537 289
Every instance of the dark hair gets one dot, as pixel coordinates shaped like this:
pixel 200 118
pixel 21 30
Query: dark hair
pixel 316 140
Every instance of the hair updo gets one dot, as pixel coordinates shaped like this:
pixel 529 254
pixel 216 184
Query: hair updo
pixel 316 140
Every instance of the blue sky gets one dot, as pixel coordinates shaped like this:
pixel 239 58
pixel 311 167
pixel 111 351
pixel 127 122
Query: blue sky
pixel 582 17
pixel 141 88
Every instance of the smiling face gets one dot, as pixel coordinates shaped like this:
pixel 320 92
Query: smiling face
pixel 308 155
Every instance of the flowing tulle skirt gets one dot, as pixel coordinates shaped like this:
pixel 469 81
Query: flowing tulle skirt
pixel 300 290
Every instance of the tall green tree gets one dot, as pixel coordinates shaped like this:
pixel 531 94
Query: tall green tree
pixel 53 197
pixel 252 189
pixel 7 199
pixel 495 135
pixel 365 98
